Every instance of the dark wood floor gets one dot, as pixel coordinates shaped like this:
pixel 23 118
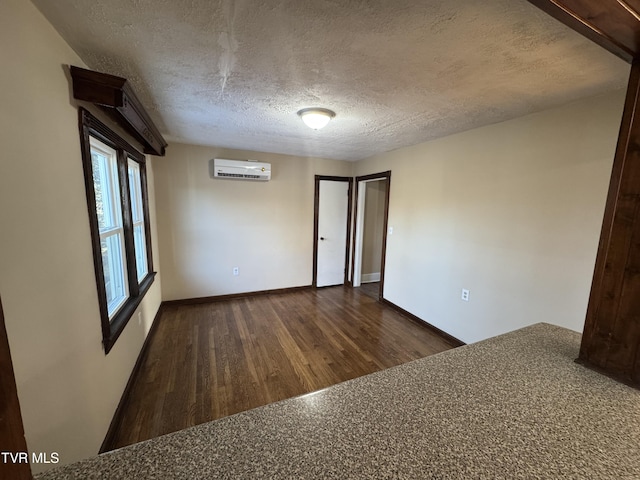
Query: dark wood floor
pixel 371 289
pixel 208 361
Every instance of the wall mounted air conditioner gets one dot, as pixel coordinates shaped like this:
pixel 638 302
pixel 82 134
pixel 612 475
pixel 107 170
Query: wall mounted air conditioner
pixel 241 169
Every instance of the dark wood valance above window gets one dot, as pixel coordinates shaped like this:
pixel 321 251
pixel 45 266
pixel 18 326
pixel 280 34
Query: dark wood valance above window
pixel 115 96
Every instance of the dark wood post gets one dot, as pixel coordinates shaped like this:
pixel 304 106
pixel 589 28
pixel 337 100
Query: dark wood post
pixel 611 338
pixel 11 430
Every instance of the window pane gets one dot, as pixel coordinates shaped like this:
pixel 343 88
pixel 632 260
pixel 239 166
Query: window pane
pixel 141 251
pixel 134 189
pixel 106 185
pixel 115 280
pixel 137 215
pixel 104 162
pixel 99 184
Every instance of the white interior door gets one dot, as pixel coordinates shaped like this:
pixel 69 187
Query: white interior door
pixel 333 208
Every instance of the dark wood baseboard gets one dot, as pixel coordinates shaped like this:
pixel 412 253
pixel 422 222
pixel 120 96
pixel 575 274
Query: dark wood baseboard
pixel 221 298
pixel 449 338
pixel 107 444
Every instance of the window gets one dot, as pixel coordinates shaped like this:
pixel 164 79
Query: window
pixel 116 183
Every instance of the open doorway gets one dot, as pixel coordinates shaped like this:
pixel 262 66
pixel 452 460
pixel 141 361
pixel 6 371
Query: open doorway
pixel 371 218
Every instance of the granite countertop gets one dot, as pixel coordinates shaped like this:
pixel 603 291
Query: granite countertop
pixel 514 406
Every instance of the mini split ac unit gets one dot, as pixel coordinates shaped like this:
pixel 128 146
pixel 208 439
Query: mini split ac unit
pixel 241 169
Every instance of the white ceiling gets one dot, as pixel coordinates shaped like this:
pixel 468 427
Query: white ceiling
pixel 397 73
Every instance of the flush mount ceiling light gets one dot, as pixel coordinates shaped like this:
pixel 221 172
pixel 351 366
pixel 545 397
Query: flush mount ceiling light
pixel 316 118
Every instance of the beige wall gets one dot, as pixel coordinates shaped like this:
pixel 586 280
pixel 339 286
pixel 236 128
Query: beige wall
pixel 207 226
pixel 373 225
pixel 68 388
pixel 510 211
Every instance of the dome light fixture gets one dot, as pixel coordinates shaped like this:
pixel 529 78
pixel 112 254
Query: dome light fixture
pixel 316 118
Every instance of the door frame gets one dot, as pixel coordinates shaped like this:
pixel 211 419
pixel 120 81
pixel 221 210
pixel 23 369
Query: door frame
pixel 316 213
pixel 364 178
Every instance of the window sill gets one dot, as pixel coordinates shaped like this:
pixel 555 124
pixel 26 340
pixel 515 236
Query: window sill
pixel 120 320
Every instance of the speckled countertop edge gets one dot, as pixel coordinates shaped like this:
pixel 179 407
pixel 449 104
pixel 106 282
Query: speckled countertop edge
pixel 513 406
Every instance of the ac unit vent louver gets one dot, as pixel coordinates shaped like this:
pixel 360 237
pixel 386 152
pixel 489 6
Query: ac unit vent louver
pixel 241 170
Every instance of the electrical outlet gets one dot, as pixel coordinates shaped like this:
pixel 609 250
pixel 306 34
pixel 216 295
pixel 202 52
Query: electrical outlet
pixel 465 295
pixel 236 271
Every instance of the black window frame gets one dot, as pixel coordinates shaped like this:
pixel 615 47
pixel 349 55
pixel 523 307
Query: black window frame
pixel 90 126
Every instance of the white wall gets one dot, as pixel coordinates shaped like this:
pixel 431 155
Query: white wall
pixel 207 225
pixel 68 389
pixel 510 211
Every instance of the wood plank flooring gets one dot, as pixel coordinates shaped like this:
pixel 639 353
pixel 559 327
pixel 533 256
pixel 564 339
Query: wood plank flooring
pixel 371 289
pixel 211 360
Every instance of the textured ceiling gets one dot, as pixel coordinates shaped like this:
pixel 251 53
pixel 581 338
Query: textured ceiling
pixel 397 73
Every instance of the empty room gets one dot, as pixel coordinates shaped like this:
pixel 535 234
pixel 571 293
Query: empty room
pixel 322 239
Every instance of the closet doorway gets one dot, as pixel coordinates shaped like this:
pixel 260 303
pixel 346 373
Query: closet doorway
pixel 371 219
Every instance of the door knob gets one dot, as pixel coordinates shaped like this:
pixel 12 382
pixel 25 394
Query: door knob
pixel 321 238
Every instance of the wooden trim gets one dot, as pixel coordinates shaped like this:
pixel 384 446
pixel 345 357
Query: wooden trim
pixel 106 135
pixel 11 429
pixel 347 247
pixel 352 267
pixel 633 11
pixel 232 296
pixel 90 125
pixel 127 223
pixel 383 260
pixel 449 338
pixel 116 421
pixel 126 312
pixel 145 211
pixel 374 176
pixel 316 214
pixel 117 97
pixel 334 178
pixel 606 22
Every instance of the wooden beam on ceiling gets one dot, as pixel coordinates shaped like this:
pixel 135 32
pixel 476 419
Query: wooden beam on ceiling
pixel 612 24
